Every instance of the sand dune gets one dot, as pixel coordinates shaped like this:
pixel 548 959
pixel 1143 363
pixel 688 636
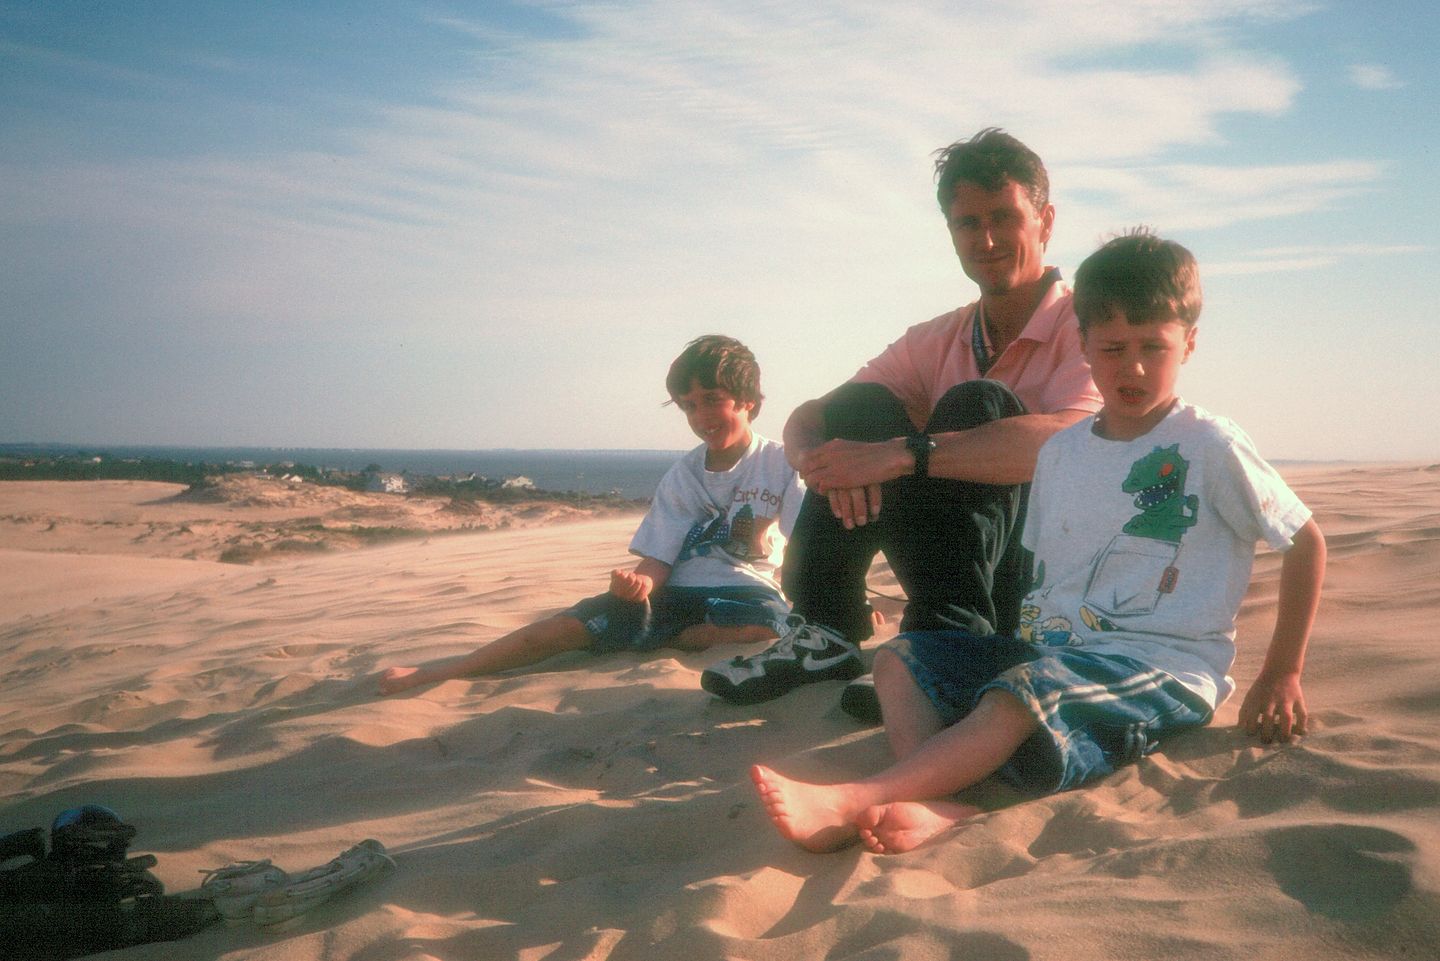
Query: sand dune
pixel 600 808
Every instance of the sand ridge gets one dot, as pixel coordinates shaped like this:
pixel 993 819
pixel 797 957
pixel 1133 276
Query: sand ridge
pixel 601 808
pixel 248 518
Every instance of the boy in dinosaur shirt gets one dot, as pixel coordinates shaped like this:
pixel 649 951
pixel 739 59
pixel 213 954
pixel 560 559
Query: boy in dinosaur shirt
pixel 1143 520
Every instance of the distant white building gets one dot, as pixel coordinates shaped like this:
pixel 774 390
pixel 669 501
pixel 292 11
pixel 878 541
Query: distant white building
pixel 388 484
pixel 521 481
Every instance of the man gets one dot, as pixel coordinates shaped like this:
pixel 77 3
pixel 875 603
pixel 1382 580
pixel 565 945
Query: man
pixel 925 453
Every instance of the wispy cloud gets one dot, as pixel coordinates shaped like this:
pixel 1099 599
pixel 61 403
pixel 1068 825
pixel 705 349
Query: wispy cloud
pixel 675 148
pixel 1270 260
pixel 632 174
pixel 640 124
pixel 95 68
pixel 1196 197
pixel 1374 76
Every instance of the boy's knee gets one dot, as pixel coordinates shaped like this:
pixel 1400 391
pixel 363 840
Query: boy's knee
pixel 1006 709
pixel 888 665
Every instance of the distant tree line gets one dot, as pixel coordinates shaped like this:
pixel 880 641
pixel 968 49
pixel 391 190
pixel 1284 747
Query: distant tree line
pixel 84 466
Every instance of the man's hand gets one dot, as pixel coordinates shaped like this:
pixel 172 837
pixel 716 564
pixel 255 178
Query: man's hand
pixel 855 506
pixel 630 586
pixel 1274 708
pixel 842 464
pixel 850 473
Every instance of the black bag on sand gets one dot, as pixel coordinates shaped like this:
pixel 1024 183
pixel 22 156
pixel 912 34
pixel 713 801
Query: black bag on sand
pixel 86 894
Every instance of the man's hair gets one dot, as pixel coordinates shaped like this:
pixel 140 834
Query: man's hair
pixel 988 160
pixel 1141 276
pixel 717 361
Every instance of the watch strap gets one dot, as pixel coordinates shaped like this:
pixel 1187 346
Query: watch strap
pixel 920 446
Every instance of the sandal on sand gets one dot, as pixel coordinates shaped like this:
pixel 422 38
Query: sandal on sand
pixel 261 892
pixel 235 888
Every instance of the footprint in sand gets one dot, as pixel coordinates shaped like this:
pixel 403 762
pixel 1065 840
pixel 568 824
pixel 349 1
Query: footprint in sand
pixel 286 651
pixel 741 907
pixel 894 935
pixel 909 884
pixel 1347 872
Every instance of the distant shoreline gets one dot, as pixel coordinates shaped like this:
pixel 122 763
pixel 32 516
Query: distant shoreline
pixel 631 475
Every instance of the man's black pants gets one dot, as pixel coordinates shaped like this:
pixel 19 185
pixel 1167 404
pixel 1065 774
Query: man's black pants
pixel 953 545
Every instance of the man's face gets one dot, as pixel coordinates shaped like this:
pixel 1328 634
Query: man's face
pixel 999 236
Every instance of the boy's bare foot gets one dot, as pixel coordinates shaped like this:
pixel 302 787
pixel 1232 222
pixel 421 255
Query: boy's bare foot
pixel 905 825
pixel 818 817
pixel 397 679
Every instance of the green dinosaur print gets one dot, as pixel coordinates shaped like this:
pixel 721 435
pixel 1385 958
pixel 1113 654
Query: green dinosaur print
pixel 1158 482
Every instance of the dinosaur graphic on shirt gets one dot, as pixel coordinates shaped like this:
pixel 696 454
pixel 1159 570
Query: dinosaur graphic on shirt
pixel 1158 482
pixel 1128 578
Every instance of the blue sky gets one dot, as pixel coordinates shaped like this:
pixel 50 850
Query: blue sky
pixel 417 224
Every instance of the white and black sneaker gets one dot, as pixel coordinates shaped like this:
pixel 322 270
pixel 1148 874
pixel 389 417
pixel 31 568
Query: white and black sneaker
pixel 805 654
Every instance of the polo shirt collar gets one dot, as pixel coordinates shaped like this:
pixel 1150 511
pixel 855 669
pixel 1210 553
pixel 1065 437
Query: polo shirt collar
pixel 1044 324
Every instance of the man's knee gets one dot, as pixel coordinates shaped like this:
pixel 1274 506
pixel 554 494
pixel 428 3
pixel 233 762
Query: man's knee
pixel 973 403
pixel 865 412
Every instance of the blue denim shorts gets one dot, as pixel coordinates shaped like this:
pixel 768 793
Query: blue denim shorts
pixel 1097 712
pixel 619 625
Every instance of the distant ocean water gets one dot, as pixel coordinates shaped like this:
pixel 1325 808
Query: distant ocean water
pixel 633 473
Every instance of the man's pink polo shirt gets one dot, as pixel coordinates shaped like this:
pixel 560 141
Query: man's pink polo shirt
pixel 1043 366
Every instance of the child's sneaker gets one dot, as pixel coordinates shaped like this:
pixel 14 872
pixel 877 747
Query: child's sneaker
pixel 807 653
pixel 314 887
pixel 235 888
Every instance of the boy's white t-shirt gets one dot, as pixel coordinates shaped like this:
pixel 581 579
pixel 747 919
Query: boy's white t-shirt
pixel 1144 548
pixel 723 528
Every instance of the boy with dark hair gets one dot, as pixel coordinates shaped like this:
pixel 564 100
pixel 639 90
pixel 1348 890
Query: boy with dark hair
pixel 717 361
pixel 710 546
pixel 1143 520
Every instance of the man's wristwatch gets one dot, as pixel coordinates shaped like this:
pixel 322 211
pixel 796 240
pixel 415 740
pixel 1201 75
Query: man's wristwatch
pixel 920 446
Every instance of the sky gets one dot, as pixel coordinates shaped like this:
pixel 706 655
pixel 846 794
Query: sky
pixel 460 225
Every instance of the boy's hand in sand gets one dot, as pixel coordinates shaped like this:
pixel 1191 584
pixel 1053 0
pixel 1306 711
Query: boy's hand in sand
pixel 630 585
pixel 1274 708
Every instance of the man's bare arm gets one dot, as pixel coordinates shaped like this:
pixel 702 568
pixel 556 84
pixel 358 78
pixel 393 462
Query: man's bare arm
pixel 1000 452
